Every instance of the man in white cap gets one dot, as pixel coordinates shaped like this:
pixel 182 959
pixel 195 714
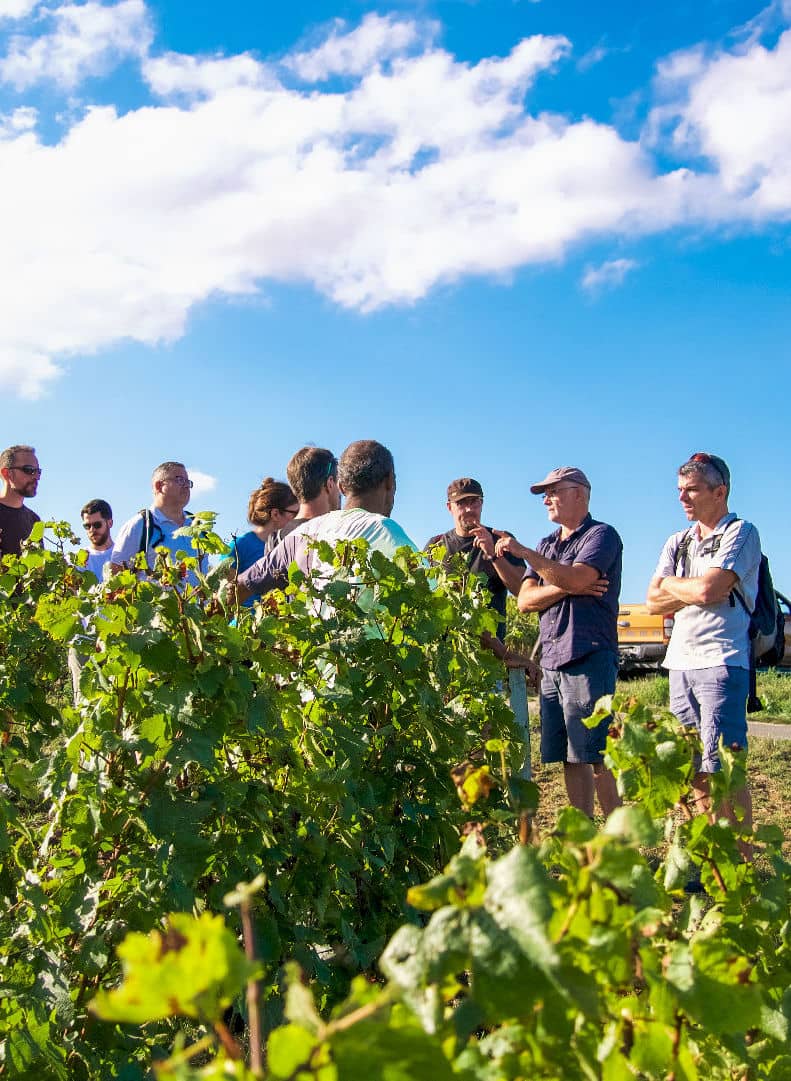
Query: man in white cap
pixel 573 581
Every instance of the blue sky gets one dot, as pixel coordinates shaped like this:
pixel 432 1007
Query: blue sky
pixel 498 236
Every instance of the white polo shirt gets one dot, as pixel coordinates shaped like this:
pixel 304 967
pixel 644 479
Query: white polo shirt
pixel 709 635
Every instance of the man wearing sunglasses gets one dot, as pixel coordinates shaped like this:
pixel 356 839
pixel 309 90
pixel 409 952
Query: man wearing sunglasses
pixel 154 528
pixel 573 581
pixel 20 471
pixel 700 572
pixel 97 521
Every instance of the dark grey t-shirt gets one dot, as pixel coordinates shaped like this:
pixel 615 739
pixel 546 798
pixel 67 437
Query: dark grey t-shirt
pixel 15 526
pixel 480 564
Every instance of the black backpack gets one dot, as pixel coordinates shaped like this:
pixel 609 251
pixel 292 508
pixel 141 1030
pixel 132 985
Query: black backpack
pixel 767 622
pixel 151 535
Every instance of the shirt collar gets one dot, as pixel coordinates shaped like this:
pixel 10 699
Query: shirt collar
pixel 160 517
pixel 586 521
pixel 720 527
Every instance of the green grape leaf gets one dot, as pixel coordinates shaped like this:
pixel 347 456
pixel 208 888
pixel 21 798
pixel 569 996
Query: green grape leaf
pixel 193 968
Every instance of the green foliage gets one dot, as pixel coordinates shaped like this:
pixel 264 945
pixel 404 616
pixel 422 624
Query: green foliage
pixel 310 757
pixel 521 628
pixel 575 958
pixel 316 751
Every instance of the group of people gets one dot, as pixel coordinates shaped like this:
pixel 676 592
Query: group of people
pixel 707 576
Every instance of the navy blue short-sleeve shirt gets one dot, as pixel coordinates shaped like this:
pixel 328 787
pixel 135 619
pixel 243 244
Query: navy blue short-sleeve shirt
pixel 575 626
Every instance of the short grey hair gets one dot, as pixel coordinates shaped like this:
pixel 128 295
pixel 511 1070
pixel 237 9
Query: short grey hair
pixel 712 470
pixel 163 471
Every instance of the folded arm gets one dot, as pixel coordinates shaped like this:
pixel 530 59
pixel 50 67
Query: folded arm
pixel 671 593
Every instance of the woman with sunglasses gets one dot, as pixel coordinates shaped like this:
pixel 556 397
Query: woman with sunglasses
pixel 271 505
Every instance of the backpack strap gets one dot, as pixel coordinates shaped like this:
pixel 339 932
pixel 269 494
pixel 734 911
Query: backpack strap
pixel 151 535
pixel 680 554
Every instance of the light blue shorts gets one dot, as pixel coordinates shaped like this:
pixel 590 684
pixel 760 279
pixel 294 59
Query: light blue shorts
pixel 714 700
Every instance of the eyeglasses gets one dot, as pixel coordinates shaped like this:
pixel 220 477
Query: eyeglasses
pixel 716 464
pixel 550 493
pixel 293 511
pixel 332 469
pixel 93 525
pixel 28 470
pixel 182 482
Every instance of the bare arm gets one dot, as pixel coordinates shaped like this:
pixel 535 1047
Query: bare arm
pixel 658 601
pixel 534 597
pixel 710 588
pixel 574 578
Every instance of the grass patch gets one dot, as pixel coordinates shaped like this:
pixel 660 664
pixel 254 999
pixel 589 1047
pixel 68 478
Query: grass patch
pixel 651 690
pixel 769 763
pixel 774 690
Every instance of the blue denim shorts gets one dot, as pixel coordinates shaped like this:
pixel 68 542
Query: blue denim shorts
pixel 714 700
pixel 569 694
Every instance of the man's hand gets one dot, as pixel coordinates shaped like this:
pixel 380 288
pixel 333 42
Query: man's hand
pixel 595 589
pixel 512 658
pixel 510 545
pixel 484 540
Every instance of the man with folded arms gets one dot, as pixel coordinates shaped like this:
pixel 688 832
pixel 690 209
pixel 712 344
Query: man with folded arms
pixel 708 577
pixel 573 582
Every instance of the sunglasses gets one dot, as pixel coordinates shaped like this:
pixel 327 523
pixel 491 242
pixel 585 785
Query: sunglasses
pixel 28 470
pixel 716 464
pixel 92 525
pixel 181 482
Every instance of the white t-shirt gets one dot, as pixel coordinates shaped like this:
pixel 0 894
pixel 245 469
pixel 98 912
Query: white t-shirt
pixel 383 535
pixel 98 562
pixel 709 635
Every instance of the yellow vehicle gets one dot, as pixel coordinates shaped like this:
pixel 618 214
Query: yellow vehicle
pixel 642 638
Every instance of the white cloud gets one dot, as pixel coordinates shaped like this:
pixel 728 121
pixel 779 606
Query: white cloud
pixel 423 170
pixel 592 57
pixel 176 74
pixel 87 39
pixel 608 275
pixel 376 39
pixel 201 482
pixel 22 119
pixel 16 9
pixel 735 109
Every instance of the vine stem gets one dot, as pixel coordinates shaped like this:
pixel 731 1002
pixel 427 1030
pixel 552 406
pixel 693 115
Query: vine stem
pixel 370 1009
pixel 253 1011
pixel 232 1048
pixel 714 868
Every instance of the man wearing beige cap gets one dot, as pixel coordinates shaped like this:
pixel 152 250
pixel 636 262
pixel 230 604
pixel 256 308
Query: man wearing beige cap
pixel 573 582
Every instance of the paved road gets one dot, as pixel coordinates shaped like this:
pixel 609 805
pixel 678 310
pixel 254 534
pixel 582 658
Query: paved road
pixel 769 731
